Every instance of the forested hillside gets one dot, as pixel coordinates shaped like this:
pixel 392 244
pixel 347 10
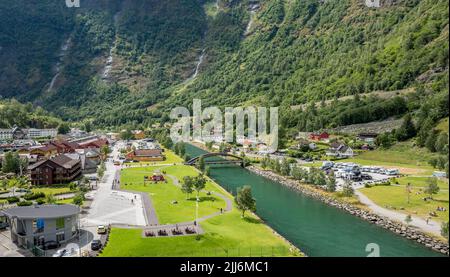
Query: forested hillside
pixel 127 62
pixel 25 115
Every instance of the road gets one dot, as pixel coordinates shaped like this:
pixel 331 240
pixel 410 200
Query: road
pixel 110 206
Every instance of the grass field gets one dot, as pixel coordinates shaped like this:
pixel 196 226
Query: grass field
pixel 51 190
pixel 395 197
pixel 225 235
pixel 443 125
pixel 404 156
pixel 163 194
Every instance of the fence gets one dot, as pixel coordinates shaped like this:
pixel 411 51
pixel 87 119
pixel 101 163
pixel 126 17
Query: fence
pixel 236 252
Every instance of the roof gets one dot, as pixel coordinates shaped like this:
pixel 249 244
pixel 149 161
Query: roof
pixel 62 160
pixel 44 148
pixel 42 212
pixel 148 153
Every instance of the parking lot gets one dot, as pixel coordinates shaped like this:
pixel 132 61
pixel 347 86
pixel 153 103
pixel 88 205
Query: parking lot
pixel 358 176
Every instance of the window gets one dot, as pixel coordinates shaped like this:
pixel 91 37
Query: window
pixel 59 223
pixel 38 226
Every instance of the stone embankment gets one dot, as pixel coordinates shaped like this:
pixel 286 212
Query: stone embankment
pixel 394 226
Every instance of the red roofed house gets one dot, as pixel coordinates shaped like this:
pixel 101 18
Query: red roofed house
pixel 319 136
pixel 57 170
pixel 93 143
pixel 65 146
pixel 146 155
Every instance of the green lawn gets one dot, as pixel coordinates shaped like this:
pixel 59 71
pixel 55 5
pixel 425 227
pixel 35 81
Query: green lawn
pixel 163 194
pixel 65 201
pixel 225 235
pixel 51 190
pixel 404 156
pixel 420 182
pixel 443 125
pixel 395 197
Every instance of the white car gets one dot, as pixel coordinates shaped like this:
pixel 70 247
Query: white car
pixel 61 253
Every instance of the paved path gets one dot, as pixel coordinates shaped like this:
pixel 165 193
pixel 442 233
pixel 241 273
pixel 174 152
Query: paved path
pixel 111 206
pixel 432 226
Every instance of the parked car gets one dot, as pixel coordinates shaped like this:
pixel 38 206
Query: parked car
pixel 61 253
pixel 50 245
pixel 101 230
pixel 366 177
pixel 96 245
pixel 3 225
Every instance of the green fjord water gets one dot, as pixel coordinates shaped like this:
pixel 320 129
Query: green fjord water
pixel 316 228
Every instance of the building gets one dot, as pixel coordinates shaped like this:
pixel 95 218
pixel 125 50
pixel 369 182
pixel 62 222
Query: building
pixel 368 138
pixel 340 150
pixel 36 225
pixel 42 133
pixel 57 170
pixel 138 134
pixel 319 136
pixel 46 151
pixel 91 142
pixel 146 155
pixel 18 133
pixel 64 146
pixel 6 134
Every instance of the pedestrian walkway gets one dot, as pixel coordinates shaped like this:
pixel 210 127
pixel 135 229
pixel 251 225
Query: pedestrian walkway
pixel 431 227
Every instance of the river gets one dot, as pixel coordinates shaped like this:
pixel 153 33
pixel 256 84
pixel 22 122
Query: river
pixel 316 228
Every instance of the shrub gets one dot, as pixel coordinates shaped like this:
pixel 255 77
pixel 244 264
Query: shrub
pixel 34 196
pixel 13 199
pixel 24 203
pixel 40 201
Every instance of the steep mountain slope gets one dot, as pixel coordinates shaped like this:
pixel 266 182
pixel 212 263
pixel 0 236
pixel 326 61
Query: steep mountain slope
pixel 129 61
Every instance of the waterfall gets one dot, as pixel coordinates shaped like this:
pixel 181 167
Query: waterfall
pixel 62 53
pixel 110 59
pixel 199 63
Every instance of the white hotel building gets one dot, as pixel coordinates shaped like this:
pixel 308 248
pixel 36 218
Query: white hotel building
pixel 17 133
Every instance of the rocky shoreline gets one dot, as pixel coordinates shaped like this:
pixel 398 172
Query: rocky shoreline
pixel 396 227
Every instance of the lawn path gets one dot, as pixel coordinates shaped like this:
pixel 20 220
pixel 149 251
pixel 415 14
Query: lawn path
pixel 432 226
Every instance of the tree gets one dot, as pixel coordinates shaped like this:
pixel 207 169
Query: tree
pixel 384 140
pixel 245 201
pixel 199 184
pixel 187 186
pixel 331 183
pixel 126 135
pixel 201 164
pixel 11 163
pixel 104 151
pixel 50 199
pixel 347 190
pixel 407 130
pixel 431 140
pixel 101 170
pixel 78 199
pixel 285 168
pixel 432 187
pixel 63 128
pixel 444 230
pixel 88 127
